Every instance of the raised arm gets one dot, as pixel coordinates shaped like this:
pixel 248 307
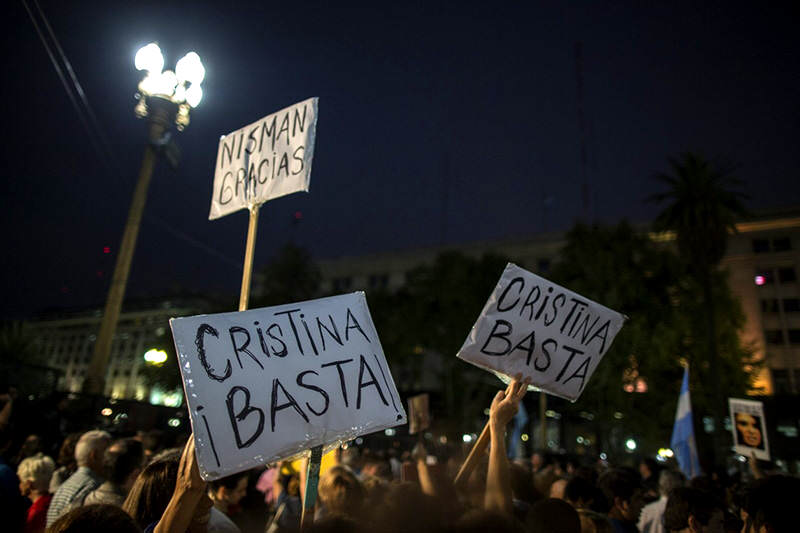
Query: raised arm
pixel 498 480
pixel 189 490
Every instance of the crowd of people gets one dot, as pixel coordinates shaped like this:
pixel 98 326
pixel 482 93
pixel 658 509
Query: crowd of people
pixel 139 483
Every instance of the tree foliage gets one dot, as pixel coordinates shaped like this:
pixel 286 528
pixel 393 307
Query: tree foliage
pixel 291 276
pixel 626 271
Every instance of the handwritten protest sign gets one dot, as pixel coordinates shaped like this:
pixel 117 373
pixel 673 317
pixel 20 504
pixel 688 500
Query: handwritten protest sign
pixel 264 160
pixel 749 428
pixel 543 331
pixel 266 384
pixel 419 415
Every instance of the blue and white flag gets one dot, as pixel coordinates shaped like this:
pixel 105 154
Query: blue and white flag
pixel 515 451
pixel 683 443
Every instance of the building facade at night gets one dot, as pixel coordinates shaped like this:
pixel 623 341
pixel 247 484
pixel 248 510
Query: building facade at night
pixel 762 262
pixel 66 342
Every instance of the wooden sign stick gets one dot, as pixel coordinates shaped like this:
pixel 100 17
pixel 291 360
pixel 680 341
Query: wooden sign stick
pixel 250 248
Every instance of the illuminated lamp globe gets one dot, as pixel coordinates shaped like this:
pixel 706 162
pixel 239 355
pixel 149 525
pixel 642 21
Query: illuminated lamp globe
pixel 190 68
pixel 149 58
pixel 166 84
pixel 155 357
pixel 193 95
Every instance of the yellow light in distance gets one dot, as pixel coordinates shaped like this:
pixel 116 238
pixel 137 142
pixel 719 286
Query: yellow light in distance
pixel 155 357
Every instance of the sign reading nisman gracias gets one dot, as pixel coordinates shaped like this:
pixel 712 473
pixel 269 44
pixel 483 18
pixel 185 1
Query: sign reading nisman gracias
pixel 266 384
pixel 264 160
pixel 547 333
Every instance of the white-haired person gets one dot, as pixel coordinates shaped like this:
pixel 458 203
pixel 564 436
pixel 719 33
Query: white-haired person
pixel 34 475
pixel 89 453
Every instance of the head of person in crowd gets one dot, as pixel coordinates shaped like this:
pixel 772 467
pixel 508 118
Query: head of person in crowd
pixel 537 461
pixel 691 510
pixel 123 462
pixel 151 443
pixel 669 480
pixel 557 488
pixel 228 491
pixel 31 446
pixel 769 505
pixel 377 467
pixel 341 492
pixel 579 492
pixel 404 507
pixel 522 484
pixel 592 522
pixel 34 475
pixel 66 453
pixel 478 521
pixel 152 490
pixel 621 488
pixel 553 516
pixel 90 450
pixel 98 518
pixel 648 468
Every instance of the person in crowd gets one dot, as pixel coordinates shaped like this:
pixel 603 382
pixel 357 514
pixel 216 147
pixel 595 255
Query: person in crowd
pixel 225 494
pixel 12 503
pixel 34 482
pixel 122 464
pixel 621 488
pixel 649 470
pixel 691 510
pixel 288 506
pixel 557 488
pixel 553 516
pixel 341 493
pixel 537 461
pixel 151 442
pixel 651 519
pixel 579 492
pixel 96 518
pixel 769 505
pixel 66 462
pixel 31 446
pixel 169 495
pixel 89 454
pixel 7 400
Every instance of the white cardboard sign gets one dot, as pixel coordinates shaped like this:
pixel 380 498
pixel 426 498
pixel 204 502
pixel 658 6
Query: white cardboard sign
pixel 264 160
pixel 749 428
pixel 533 327
pixel 266 384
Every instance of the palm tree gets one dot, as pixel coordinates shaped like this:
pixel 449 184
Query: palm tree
pixel 702 207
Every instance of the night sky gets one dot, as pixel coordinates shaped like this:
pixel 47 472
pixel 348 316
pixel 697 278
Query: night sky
pixel 438 123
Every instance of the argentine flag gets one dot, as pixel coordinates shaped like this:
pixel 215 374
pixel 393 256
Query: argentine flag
pixel 683 444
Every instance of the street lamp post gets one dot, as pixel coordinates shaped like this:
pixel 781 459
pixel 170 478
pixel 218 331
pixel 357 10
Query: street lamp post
pixel 163 98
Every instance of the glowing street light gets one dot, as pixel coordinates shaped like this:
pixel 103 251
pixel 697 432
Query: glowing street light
pixel 165 97
pixel 181 87
pixel 155 357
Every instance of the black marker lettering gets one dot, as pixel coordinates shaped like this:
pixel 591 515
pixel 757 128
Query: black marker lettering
pixel 338 365
pixel 362 384
pixel 206 329
pixel 294 328
pixel 314 388
pixel 246 410
pixel 291 403
pixel 243 348
pixel 503 335
pixel 348 327
pixel 505 292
